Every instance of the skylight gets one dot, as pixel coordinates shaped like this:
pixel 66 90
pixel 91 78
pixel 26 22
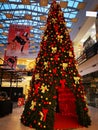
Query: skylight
pixel 18 10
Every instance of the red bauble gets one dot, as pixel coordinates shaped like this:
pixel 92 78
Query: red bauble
pixel 52 62
pixel 34 121
pixel 50 83
pixel 63 74
pixel 54 81
pixel 30 126
pixel 46 80
pixel 55 97
pixel 51 74
pixel 86 109
pixel 56 74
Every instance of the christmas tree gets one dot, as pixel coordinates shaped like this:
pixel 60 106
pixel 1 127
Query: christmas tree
pixel 55 80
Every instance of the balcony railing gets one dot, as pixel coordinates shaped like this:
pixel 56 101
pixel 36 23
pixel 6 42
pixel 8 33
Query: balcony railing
pixel 87 54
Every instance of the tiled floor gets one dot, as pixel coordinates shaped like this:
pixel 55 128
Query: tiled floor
pixel 12 121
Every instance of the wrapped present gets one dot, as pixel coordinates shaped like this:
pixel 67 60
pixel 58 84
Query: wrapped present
pixel 21 101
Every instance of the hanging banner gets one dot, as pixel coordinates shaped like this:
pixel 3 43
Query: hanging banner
pixel 10 61
pixel 18 40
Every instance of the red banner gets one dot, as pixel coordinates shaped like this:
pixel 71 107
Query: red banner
pixel 10 61
pixel 18 40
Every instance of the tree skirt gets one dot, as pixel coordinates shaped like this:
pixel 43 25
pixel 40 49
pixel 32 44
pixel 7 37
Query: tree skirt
pixel 63 122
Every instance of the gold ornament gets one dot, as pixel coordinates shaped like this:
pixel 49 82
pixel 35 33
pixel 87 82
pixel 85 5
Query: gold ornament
pixel 76 66
pixel 60 13
pixel 44 126
pixel 37 76
pixel 37 60
pixel 39 123
pixel 41 96
pixel 49 70
pixel 76 80
pixel 44 88
pixel 45 38
pixel 70 54
pixel 46 98
pixel 59 38
pixel 54 20
pixel 33 104
pixel 65 65
pixel 49 103
pixel 45 64
pixel 54 49
pixel 42 116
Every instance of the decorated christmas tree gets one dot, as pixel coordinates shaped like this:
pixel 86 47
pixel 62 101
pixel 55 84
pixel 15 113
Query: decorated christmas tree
pixel 56 83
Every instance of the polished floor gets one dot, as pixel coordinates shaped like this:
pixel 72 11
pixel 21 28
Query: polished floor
pixel 12 121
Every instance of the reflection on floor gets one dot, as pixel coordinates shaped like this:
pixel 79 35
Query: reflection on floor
pixel 12 121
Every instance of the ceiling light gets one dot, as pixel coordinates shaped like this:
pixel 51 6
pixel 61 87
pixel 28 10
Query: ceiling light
pixel 31 27
pixel 74 20
pixel 28 16
pixel 63 4
pixel 8 15
pixel 1 25
pixel 91 13
pixel 3 0
pixel 69 30
pixel 81 5
pixel 26 2
pixel 1 44
pixel 43 28
pixel 34 51
pixel 43 2
pixel 31 35
pixel 32 46
pixel 43 18
pixel 5 33
pixel 32 42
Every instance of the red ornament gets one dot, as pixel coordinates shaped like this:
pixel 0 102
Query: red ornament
pixel 53 62
pixel 56 87
pixel 55 97
pixel 62 82
pixel 62 49
pixel 56 57
pixel 55 81
pixel 54 70
pixel 56 74
pixel 45 111
pixel 40 125
pixel 85 109
pixel 51 74
pixel 50 83
pixel 34 121
pixel 63 74
pixel 30 126
pixel 79 89
pixel 45 54
pixel 36 87
pixel 46 103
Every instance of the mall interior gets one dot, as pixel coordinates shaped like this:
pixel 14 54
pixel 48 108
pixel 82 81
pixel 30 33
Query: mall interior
pixel 30 16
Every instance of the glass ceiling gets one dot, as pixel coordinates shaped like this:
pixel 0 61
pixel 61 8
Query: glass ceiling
pixel 13 12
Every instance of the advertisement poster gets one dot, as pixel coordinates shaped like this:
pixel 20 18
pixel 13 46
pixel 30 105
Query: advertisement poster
pixel 18 40
pixel 10 61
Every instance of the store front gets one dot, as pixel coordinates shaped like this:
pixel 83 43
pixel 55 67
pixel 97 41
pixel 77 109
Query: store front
pixel 90 82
